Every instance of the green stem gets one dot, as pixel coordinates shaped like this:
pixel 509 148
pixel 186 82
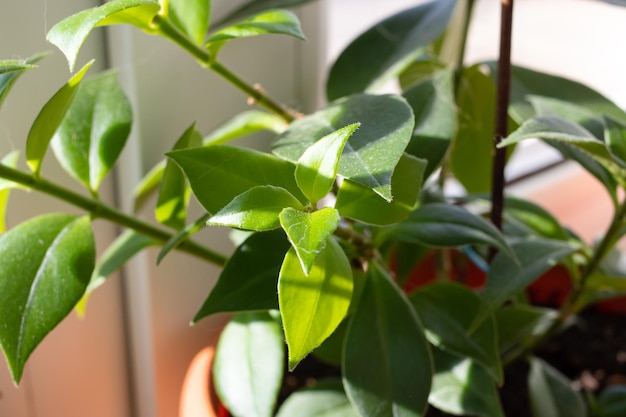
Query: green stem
pixel 202 55
pixel 100 210
pixel 460 59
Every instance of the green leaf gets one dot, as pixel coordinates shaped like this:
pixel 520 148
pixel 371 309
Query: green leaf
pixel 308 232
pixel 615 138
pixel 325 399
pixel 244 124
pixel 545 106
pixel 171 207
pixel 11 70
pixel 363 204
pixel 191 17
pixel 94 130
pixel 256 6
pixel 552 128
pixel 612 401
pixel 182 235
pixel 534 217
pixel 313 305
pixel 601 287
pixel 49 119
pixel 250 277
pixel 248 367
pixel 516 323
pixel 277 22
pixel 70 33
pixel 256 209
pixel 445 225
pixel 471 153
pixel 372 152
pixel 331 350
pixel 317 167
pixel 385 333
pixel 551 394
pixel 447 310
pixel 387 48
pixel 462 387
pixel 507 277
pixel 218 174
pixel 148 184
pixel 433 104
pixel 5 188
pixel 45 269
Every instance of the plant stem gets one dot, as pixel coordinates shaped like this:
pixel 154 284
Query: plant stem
pixel 100 210
pixel 202 55
pixel 502 106
pixel 460 59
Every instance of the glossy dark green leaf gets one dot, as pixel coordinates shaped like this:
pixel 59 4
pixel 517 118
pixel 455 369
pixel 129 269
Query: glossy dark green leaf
pixel 49 119
pixel 317 167
pixel 148 185
pixel 279 22
pixel 218 174
pixel 471 153
pixel 252 7
pixel 191 17
pixel 308 232
pixel 615 138
pixel 447 310
pixel 387 48
pixel 171 207
pixel 250 277
pixel 256 209
pixel 551 393
pixel 432 101
pixel 5 188
pixel 325 399
pixel 516 323
pixel 313 305
pixel 70 33
pixel 244 124
pixel 372 152
pixel 331 350
pixel 45 269
pixel 360 203
pixel 462 387
pixel 612 401
pixel 445 225
pixel 545 106
pixel 11 70
pixel 182 235
pixel 248 367
pixel 94 130
pixel 385 333
pixel 507 277
pixel 534 217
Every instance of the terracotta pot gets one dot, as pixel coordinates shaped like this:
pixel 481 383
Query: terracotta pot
pixel 197 396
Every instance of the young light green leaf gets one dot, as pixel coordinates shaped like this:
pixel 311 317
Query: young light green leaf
pixel 385 333
pixel 615 138
pixel 476 101
pixel 252 7
pixel 387 48
pixel 313 305
pixel 148 184
pixel 11 70
pixel 49 119
pixel 462 387
pixel 507 277
pixel 325 399
pixel 551 393
pixel 70 33
pixel 445 225
pixel 372 152
pixel 433 104
pixel 244 124
pixel 5 188
pixel 8 66
pixel 308 232
pixel 191 17
pixel 182 235
pixel 218 174
pixel 45 269
pixel 360 203
pixel 280 22
pixel 447 310
pixel 94 130
pixel 316 170
pixel 248 367
pixel 171 207
pixel 250 277
pixel 256 209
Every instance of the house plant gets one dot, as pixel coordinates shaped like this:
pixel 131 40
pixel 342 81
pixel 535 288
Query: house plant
pixel 328 244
